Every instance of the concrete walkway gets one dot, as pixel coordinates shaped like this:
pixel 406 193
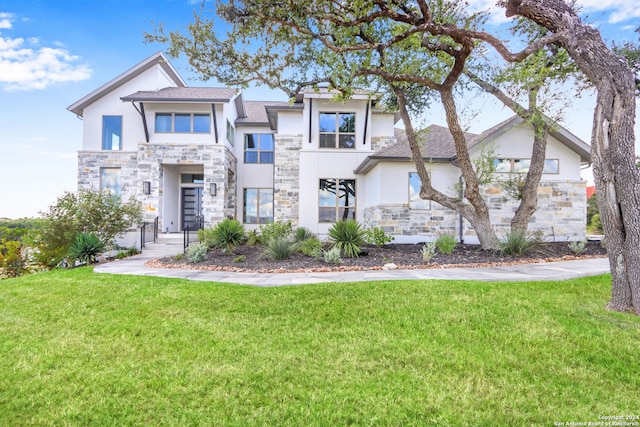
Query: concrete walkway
pixel 169 246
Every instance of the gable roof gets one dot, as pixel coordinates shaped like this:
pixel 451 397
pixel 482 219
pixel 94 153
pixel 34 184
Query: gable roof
pixel 437 144
pixel 157 58
pixel 184 94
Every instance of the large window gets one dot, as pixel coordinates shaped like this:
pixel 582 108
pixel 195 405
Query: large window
pixel 337 200
pixel 415 185
pixel 551 166
pixel 337 130
pixel 112 132
pixel 258 205
pixel 182 123
pixel 258 148
pixel 110 180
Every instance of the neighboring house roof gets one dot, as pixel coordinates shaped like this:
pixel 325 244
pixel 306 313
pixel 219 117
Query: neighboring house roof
pixel 256 112
pixel 155 59
pixel 184 94
pixel 437 144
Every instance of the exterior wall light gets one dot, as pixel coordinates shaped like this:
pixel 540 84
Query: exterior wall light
pixel 146 187
pixel 213 189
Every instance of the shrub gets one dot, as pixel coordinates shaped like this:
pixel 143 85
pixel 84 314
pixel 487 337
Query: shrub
pixel 578 246
pixel 348 236
pixel 428 251
pixel 240 258
pixel 86 247
pixel 12 262
pixel 279 248
pixel 227 234
pixel 311 247
pixel 518 242
pixel 596 224
pixel 332 256
pixel 275 230
pixel 253 238
pixel 377 236
pixel 197 252
pixel 100 213
pixel 446 243
pixel 302 234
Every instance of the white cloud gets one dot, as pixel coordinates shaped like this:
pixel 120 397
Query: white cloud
pixel 27 66
pixel 6 20
pixel 619 10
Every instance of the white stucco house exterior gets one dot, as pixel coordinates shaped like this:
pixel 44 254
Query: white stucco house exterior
pixel 193 156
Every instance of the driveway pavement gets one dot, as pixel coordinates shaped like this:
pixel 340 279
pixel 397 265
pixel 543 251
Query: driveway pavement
pixel 525 272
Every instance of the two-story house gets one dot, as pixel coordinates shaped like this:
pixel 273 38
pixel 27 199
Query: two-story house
pixel 196 155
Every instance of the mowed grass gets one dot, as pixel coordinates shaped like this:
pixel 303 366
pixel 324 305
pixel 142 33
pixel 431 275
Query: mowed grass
pixel 79 348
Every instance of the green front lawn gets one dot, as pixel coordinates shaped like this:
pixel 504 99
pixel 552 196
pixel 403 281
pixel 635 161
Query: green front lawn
pixel 78 348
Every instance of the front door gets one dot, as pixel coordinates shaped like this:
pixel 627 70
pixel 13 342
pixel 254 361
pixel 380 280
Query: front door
pixel 192 208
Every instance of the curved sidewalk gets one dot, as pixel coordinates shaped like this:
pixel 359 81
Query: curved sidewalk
pixel 523 272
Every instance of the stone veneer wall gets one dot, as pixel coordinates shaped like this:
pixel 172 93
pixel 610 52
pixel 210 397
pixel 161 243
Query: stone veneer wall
pixel 216 160
pixel 90 163
pixel 381 142
pixel 147 163
pixel 286 178
pixel 561 214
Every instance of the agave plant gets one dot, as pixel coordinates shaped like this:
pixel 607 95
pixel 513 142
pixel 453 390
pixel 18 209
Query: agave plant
pixel 348 236
pixel 86 247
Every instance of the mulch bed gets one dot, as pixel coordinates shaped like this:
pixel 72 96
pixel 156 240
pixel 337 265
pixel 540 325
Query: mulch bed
pixel 400 256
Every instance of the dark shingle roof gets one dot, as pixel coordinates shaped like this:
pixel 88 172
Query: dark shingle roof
pixel 436 143
pixel 256 112
pixel 184 94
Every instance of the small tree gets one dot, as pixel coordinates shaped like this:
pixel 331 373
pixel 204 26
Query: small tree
pixel 99 212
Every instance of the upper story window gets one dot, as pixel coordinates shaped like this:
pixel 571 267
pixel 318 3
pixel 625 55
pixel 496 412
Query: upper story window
pixel 230 133
pixel 551 166
pixel 183 123
pixel 337 200
pixel 337 130
pixel 415 201
pixel 258 148
pixel 112 132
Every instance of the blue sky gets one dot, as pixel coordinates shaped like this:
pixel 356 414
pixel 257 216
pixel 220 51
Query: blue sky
pixel 54 53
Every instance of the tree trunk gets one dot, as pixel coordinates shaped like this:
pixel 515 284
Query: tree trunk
pixel 615 172
pixel 480 222
pixel 529 202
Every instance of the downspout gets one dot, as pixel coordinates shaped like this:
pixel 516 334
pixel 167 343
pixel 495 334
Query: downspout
pixel 144 118
pixel 366 123
pixel 310 117
pixel 215 122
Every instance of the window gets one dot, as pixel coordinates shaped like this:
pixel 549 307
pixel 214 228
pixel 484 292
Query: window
pixel 337 200
pixel 230 133
pixel 337 130
pixel 192 178
pixel 182 123
pixel 415 202
pixel 110 180
pixel 112 133
pixel 258 205
pixel 551 166
pixel 258 148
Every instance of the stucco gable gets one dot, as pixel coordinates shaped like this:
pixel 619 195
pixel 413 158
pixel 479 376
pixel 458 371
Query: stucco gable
pixel 157 59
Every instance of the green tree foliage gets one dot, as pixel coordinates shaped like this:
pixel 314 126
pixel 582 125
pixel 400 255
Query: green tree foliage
pixel 100 213
pixel 12 260
pixel 631 52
